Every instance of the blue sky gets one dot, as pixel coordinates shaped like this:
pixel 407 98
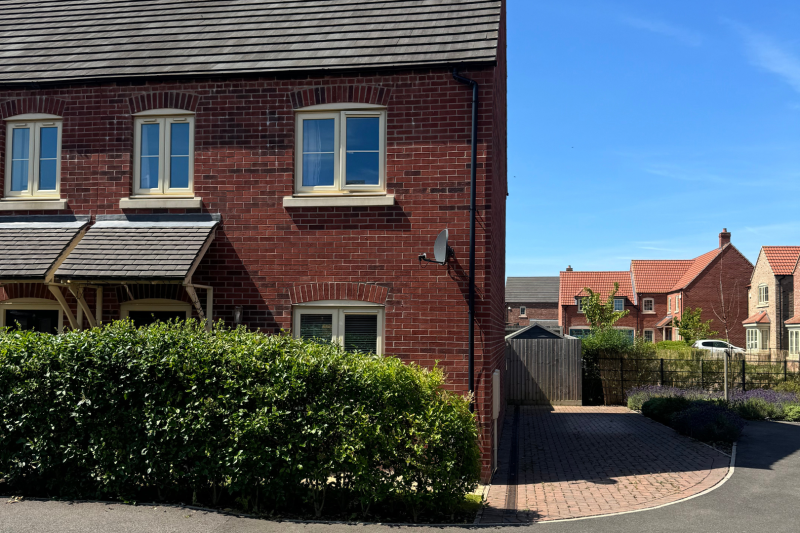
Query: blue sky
pixel 639 129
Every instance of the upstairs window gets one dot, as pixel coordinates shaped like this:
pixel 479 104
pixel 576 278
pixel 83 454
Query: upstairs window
pixel 341 151
pixel 579 302
pixel 33 156
pixel 763 295
pixel 619 304
pixel 669 305
pixel 522 311
pixel 163 162
pixel 648 305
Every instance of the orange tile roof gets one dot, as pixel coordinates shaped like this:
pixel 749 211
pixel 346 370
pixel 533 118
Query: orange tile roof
pixel 758 318
pixel 782 259
pixel 664 321
pixel 572 284
pixel 698 265
pixel 794 320
pixel 656 276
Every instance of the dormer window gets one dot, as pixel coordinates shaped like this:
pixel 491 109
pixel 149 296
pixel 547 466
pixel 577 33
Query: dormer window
pixel 33 156
pixel 341 150
pixel 163 162
pixel 619 304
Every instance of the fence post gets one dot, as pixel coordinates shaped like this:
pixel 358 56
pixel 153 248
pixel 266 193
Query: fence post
pixel 702 380
pixel 744 381
pixel 622 379
pixel 662 372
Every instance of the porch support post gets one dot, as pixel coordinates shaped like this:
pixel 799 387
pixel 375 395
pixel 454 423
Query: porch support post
pixel 196 301
pixel 98 313
pixel 77 291
pixel 63 302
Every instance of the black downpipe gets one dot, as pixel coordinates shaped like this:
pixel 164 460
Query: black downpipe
pixel 473 179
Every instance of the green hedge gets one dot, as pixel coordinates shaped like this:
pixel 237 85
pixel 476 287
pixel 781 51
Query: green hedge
pixel 172 412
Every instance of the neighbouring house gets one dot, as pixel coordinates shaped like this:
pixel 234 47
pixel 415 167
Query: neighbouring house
pixel 773 319
pixel 657 291
pixel 529 299
pixel 275 165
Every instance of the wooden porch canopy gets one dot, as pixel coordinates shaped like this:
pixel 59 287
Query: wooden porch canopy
pixel 33 247
pixel 141 249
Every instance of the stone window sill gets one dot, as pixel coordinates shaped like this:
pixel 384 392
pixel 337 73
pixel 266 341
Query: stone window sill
pixel 49 204
pixel 648 312
pixel 160 203
pixel 344 200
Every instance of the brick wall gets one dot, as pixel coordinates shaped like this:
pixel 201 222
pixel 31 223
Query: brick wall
pixel 533 311
pixel 704 292
pixel 244 153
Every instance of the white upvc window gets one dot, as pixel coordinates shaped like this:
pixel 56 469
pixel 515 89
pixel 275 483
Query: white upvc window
pixel 163 160
pixel 648 305
pixel 669 305
pixel 794 341
pixel 757 339
pixel 33 156
pixel 523 311
pixel 341 151
pixel 35 314
pixel 649 335
pixel 619 304
pixel 763 295
pixel 580 332
pixel 579 303
pixel 358 326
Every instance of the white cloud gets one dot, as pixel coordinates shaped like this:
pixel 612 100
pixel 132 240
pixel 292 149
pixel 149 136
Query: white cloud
pixel 765 53
pixel 687 37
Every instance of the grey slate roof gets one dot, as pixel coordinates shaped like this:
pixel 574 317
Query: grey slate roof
pixel 30 246
pixel 57 40
pixel 542 289
pixel 157 248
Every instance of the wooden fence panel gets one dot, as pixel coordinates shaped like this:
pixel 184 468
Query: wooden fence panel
pixel 544 371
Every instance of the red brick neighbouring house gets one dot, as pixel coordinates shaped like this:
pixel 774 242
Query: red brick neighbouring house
pixel 228 162
pixel 531 299
pixel 656 291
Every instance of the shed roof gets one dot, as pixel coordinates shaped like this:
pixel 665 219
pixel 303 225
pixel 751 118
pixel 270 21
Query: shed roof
pixel 57 40
pixel 155 248
pixel 31 246
pixel 532 289
pixel 573 282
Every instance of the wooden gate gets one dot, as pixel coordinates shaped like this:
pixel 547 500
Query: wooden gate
pixel 544 371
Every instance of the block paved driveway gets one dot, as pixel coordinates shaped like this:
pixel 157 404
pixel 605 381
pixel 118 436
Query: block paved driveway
pixel 572 462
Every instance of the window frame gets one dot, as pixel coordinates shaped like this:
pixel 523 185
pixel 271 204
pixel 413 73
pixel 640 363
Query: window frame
pixel 32 304
pixel 340 113
pixel 794 341
pixel 523 311
pixel 652 303
pixel 669 305
pixel 579 328
pixel 652 333
pixel 579 303
pixel 34 122
pixel 341 308
pixel 763 295
pixel 622 300
pixel 153 305
pixel 163 117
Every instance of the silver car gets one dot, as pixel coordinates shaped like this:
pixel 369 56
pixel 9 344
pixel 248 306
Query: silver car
pixel 717 347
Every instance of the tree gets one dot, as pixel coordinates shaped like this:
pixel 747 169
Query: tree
pixel 599 314
pixel 691 327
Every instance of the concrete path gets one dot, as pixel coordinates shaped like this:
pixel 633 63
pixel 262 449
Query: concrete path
pixel 763 495
pixel 572 462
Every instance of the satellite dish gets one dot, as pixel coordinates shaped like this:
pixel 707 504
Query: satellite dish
pixel 441 250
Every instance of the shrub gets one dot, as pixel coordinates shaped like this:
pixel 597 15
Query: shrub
pixel 637 396
pixel 758 404
pixel 663 409
pixel 791 385
pixel 708 422
pixel 174 412
pixel 792 413
pixel 672 345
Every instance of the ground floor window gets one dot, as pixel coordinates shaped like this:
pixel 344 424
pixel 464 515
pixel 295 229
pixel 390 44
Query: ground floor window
pixel 32 314
pixel 354 325
pixel 649 335
pixel 794 341
pixel 757 339
pixel 146 312
pixel 629 332
pixel 580 332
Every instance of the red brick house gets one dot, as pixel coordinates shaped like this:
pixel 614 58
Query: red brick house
pixel 657 291
pixel 279 166
pixel 531 298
